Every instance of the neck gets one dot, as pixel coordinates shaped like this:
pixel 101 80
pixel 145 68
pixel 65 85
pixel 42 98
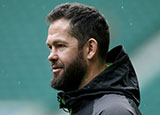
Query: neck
pixel 93 70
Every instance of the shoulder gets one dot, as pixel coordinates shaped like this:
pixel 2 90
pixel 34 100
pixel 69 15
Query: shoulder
pixel 116 110
pixel 112 104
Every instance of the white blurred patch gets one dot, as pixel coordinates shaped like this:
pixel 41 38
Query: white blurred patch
pixel 146 60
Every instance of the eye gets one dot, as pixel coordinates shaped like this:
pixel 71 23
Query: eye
pixel 50 47
pixel 60 45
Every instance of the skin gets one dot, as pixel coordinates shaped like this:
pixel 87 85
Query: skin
pixel 64 48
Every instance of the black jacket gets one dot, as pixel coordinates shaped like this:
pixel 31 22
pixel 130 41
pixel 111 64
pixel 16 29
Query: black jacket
pixel 115 91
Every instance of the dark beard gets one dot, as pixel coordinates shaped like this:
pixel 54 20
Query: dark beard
pixel 72 75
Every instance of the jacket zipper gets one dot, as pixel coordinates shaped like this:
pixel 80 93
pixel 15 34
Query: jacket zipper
pixel 70 112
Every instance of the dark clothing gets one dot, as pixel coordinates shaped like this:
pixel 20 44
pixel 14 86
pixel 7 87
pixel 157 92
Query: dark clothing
pixel 114 91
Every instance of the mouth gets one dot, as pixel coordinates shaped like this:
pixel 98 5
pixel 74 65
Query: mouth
pixel 56 69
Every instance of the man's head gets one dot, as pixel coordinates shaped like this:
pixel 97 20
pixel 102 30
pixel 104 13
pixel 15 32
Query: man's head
pixel 74 31
pixel 85 23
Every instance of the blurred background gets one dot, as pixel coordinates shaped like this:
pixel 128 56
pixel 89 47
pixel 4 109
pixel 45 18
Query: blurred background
pixel 25 72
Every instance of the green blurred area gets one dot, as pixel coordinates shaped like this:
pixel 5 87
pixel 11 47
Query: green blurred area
pixel 25 72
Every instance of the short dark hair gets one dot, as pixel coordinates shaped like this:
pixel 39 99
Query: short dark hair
pixel 85 23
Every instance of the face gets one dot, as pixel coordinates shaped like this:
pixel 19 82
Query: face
pixel 67 61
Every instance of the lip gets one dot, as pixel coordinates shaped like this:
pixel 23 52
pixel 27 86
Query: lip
pixel 56 69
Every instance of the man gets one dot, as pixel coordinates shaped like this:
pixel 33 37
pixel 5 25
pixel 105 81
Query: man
pixel 93 81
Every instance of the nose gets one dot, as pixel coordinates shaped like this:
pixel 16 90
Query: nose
pixel 53 57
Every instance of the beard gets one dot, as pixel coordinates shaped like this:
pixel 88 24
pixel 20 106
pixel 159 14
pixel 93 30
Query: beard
pixel 72 75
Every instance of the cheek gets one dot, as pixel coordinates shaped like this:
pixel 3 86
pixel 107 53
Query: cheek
pixel 67 57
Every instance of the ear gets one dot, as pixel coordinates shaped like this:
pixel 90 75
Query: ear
pixel 92 46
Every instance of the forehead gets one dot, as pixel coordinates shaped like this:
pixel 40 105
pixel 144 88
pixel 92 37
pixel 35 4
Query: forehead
pixel 58 31
pixel 61 25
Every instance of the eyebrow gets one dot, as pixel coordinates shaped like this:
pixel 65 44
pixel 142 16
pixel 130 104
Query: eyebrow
pixel 56 42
